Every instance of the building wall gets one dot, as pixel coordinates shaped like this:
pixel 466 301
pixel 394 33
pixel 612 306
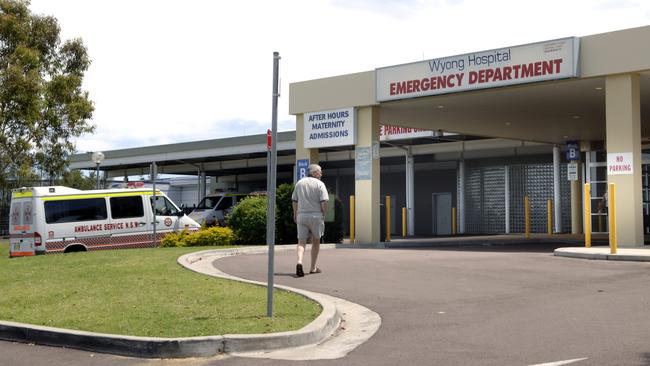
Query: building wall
pixel 485 195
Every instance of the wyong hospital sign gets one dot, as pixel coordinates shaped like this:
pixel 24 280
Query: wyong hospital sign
pixel 556 59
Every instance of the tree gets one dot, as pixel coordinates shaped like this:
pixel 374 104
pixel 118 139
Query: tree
pixel 42 105
pixel 75 179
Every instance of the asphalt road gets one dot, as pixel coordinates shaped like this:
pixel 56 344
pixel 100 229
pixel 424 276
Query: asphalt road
pixel 507 305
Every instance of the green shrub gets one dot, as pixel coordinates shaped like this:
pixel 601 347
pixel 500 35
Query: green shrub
pixel 174 239
pixel 204 237
pixel 248 220
pixel 285 228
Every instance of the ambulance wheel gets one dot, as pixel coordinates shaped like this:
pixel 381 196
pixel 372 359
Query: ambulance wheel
pixel 75 248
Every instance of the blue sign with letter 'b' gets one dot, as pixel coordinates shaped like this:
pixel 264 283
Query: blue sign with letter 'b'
pixel 572 151
pixel 301 168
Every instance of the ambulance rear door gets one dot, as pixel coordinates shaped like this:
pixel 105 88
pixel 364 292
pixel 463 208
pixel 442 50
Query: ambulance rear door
pixel 21 228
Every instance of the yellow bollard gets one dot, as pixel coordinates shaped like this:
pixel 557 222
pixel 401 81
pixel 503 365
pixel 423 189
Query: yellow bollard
pixel 453 221
pixel 587 215
pixel 527 217
pixel 549 217
pixel 387 218
pixel 612 219
pixel 352 219
pixel 404 221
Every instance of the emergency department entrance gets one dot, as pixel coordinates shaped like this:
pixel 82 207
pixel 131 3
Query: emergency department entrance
pixel 591 92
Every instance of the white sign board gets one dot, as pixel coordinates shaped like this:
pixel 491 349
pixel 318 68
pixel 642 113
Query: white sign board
pixel 391 133
pixel 549 60
pixel 620 163
pixel 330 128
pixel 362 163
pixel 572 171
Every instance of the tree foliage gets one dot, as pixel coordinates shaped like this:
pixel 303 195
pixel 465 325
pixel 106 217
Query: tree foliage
pixel 75 179
pixel 285 228
pixel 42 104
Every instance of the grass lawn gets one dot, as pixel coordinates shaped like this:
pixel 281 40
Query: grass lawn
pixel 141 292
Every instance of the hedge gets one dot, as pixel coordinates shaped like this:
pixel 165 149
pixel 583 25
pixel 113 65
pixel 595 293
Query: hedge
pixel 248 220
pixel 206 236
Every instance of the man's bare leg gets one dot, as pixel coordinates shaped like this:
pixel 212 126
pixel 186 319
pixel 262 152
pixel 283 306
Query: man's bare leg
pixel 300 253
pixel 315 248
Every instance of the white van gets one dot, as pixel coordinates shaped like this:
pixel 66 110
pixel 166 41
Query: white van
pixel 213 208
pixel 61 219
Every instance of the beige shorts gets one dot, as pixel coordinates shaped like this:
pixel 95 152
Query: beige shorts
pixel 310 225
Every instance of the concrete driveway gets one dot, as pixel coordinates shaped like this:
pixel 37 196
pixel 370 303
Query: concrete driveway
pixel 504 305
pixel 483 305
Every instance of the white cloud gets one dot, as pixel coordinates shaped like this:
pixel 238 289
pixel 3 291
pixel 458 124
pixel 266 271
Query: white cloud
pixel 169 71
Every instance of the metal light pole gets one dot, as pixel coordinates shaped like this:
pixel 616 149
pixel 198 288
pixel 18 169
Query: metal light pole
pixel 98 158
pixel 154 176
pixel 271 168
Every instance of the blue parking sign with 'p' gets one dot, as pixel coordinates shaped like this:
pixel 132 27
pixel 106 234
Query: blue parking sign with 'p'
pixel 301 168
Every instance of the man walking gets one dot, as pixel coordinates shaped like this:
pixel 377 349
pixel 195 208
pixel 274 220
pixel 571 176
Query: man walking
pixel 309 207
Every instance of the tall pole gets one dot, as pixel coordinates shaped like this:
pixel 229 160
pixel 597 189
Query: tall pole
pixel 557 203
pixel 97 175
pixel 410 192
pixel 97 157
pixel 154 174
pixel 270 217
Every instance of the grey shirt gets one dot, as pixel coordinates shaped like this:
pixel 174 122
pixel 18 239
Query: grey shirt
pixel 309 193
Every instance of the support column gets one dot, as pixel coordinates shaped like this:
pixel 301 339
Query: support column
pixel 410 193
pixel 576 202
pixel 623 116
pixel 204 185
pixel 507 197
pixel 366 184
pixel 198 186
pixel 301 151
pixel 461 197
pixel 557 204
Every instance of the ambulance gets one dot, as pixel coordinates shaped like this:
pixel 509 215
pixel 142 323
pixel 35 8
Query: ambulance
pixel 58 219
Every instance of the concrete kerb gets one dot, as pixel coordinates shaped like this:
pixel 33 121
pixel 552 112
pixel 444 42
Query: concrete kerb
pixel 603 253
pixel 152 347
pixel 320 328
pixel 496 240
pixel 147 347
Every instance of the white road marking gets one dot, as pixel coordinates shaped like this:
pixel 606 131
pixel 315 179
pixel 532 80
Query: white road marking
pixel 559 363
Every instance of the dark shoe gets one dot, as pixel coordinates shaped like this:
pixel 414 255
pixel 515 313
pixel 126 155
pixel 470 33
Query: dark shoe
pixel 299 271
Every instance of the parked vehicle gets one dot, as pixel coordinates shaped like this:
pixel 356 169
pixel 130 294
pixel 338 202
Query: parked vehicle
pixel 213 208
pixel 61 219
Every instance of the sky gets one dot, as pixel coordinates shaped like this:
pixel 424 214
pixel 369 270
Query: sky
pixel 178 71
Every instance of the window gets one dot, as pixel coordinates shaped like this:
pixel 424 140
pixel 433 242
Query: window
pixel 125 207
pixel 208 203
pixel 16 214
pixel 88 209
pixel 225 203
pixel 164 207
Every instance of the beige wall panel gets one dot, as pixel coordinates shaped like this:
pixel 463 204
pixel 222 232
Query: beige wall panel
pixel 301 152
pixel 367 191
pixel 615 52
pixel 624 136
pixel 331 93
